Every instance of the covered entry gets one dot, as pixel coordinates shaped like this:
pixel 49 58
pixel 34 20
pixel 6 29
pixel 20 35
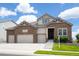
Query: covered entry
pixel 50 33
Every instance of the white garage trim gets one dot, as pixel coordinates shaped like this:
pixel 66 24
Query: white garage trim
pixel 41 38
pixel 28 38
pixel 11 39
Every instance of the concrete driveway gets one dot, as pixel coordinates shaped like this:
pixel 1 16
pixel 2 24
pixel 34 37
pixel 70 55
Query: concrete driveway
pixel 20 49
pixel 24 49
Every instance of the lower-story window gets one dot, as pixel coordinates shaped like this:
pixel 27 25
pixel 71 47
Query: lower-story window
pixel 62 31
pixel 65 31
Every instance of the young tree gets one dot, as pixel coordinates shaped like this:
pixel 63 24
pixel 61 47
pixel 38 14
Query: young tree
pixel 77 37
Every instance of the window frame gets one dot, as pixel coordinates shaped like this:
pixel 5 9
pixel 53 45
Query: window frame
pixel 66 31
pixel 62 32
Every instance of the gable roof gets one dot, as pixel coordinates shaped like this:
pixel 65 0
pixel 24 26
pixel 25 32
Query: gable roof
pixel 64 21
pixel 24 23
pixel 46 14
pixel 34 24
pixel 55 19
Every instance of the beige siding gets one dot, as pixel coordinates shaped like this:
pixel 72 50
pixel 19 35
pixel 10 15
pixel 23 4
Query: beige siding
pixel 41 30
pixel 41 35
pixel 41 38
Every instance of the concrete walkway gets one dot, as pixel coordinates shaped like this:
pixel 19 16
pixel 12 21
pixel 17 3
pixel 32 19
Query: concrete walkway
pixel 49 44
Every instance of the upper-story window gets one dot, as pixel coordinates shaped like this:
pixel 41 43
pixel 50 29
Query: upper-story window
pixel 40 22
pixel 45 21
pixel 24 24
pixel 62 31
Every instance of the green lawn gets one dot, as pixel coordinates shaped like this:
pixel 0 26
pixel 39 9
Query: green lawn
pixel 65 47
pixel 70 50
pixel 56 53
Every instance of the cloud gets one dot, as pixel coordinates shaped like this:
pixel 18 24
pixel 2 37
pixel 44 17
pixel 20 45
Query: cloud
pixel 5 12
pixel 70 13
pixel 25 8
pixel 75 33
pixel 28 18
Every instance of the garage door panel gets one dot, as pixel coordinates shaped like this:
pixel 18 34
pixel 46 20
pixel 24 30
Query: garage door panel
pixel 41 38
pixel 11 38
pixel 25 38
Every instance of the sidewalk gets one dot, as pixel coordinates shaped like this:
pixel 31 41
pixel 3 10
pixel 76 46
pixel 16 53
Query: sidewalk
pixel 59 51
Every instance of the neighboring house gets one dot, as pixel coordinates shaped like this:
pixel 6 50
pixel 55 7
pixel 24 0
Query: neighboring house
pixel 46 28
pixel 4 24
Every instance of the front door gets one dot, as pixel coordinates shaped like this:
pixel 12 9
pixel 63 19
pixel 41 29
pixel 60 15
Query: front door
pixel 51 33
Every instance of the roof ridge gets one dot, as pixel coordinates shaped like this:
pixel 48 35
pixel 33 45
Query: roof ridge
pixel 64 20
pixel 48 15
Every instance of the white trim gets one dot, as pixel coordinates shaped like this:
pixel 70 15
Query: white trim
pixel 46 33
pixel 51 27
pixel 58 31
pixel 66 32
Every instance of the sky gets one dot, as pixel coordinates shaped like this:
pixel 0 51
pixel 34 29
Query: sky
pixel 31 11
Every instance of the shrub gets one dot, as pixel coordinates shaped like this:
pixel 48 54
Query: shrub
pixel 56 39
pixel 77 36
pixel 63 39
pixel 77 41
